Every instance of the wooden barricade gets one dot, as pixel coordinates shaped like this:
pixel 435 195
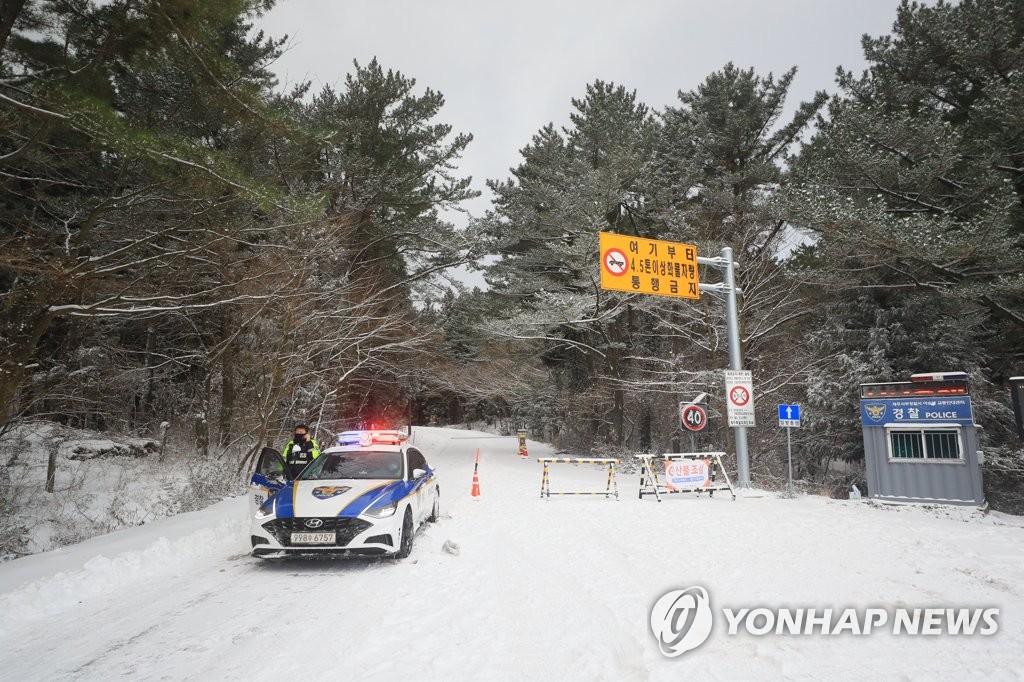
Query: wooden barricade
pixel 685 472
pixel 612 488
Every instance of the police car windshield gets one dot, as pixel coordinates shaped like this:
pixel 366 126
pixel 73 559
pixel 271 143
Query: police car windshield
pixel 355 464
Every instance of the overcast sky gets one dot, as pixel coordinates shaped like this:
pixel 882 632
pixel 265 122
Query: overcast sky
pixel 506 69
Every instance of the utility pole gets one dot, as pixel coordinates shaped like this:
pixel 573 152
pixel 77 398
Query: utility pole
pixel 729 290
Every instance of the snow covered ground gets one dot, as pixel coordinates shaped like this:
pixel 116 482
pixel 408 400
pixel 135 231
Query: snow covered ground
pixel 538 589
pixel 100 485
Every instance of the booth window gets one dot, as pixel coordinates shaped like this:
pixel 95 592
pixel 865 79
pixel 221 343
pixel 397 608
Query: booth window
pixel 924 444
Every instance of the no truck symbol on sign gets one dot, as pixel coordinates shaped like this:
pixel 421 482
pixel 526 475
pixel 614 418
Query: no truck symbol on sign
pixel 739 396
pixel 616 262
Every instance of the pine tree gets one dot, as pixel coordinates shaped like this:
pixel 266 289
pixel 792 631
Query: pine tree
pixel 914 185
pixel 570 185
pixel 385 169
pixel 129 125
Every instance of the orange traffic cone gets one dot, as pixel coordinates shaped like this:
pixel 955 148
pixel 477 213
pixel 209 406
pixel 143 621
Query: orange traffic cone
pixel 475 492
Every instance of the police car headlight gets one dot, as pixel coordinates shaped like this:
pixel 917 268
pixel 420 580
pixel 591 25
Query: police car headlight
pixel 382 512
pixel 266 509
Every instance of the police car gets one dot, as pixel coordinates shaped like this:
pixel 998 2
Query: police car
pixel 366 495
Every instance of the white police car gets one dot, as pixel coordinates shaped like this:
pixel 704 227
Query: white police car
pixel 366 495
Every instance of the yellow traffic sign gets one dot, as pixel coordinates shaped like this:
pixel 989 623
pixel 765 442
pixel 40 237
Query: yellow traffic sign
pixel 648 266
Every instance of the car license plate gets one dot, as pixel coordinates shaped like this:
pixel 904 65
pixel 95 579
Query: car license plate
pixel 313 538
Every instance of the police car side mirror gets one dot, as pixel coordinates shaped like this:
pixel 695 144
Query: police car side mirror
pixel 417 474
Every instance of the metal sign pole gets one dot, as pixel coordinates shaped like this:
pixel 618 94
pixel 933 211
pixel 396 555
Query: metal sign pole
pixel 735 362
pixel 789 449
pixel 732 324
pixel 728 288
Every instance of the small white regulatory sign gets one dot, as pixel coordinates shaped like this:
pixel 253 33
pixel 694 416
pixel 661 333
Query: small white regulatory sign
pixel 739 397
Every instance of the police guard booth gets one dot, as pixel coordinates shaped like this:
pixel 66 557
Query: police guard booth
pixel 920 440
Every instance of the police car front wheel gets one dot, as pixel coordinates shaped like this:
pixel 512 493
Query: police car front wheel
pixel 405 547
pixel 435 513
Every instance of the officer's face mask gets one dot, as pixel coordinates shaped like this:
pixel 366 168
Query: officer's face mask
pixel 299 437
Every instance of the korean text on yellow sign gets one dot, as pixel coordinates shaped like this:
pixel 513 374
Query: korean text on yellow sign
pixel 648 266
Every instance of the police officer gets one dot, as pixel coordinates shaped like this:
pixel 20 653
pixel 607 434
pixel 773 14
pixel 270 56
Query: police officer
pixel 301 450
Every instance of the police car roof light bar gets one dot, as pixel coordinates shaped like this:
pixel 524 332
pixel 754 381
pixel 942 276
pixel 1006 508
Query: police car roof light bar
pixel 939 376
pixel 365 438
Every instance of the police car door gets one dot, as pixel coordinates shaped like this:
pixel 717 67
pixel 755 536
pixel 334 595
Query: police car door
pixel 423 497
pixel 269 477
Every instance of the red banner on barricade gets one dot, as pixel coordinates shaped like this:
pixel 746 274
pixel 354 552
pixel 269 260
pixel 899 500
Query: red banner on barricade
pixel 684 472
pixel 687 474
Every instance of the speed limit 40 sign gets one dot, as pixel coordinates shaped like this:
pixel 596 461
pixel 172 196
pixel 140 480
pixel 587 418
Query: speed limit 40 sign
pixel 694 417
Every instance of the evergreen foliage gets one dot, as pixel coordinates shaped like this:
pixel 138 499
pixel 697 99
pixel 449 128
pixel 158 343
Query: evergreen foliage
pixel 182 240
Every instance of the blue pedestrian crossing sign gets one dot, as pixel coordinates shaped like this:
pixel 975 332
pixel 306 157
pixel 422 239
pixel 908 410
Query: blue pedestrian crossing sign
pixel 789 416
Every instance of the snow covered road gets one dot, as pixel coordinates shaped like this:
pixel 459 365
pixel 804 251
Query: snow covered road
pixel 539 589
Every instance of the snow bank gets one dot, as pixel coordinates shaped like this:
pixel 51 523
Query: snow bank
pixel 101 484
pixel 44 584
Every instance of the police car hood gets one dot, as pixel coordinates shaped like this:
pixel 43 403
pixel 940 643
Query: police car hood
pixel 339 497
